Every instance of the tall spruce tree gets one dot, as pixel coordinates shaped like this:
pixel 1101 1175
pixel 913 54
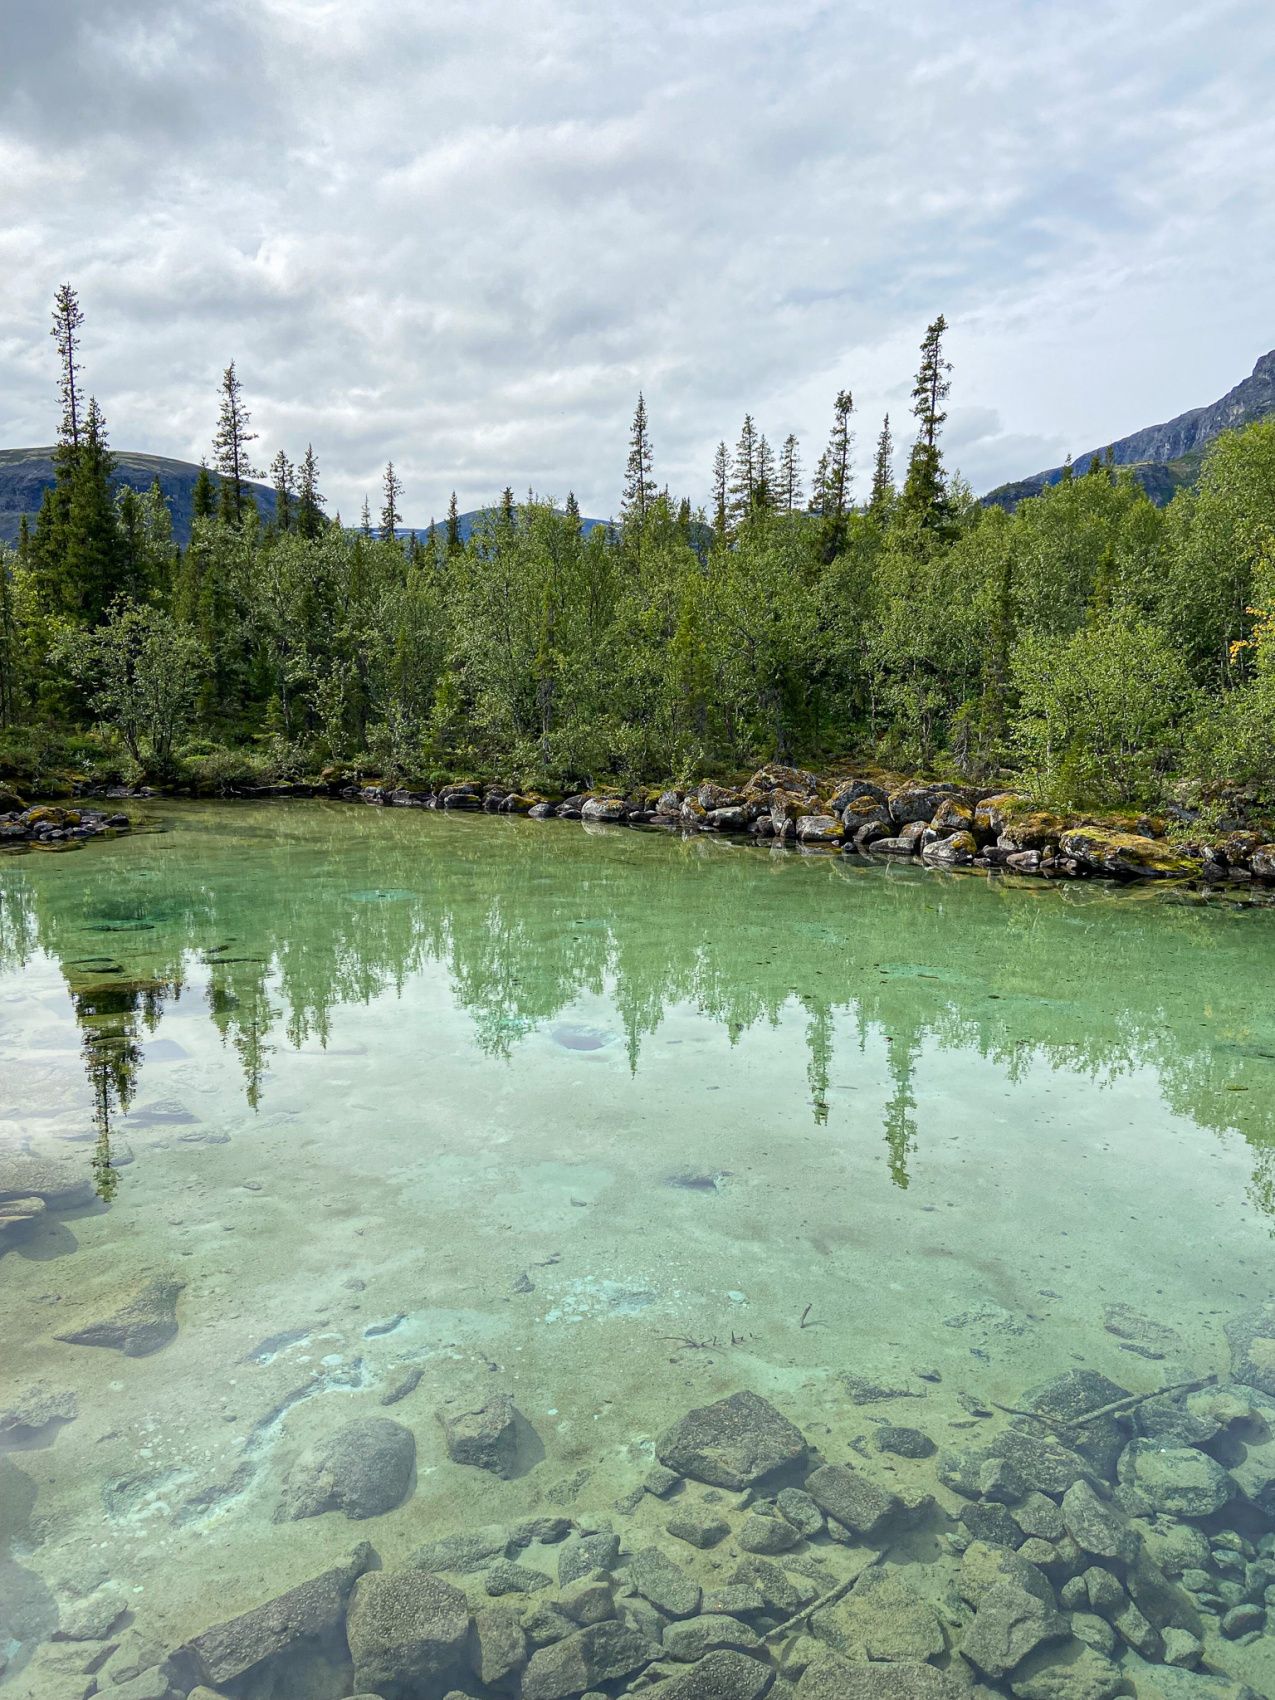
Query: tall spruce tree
pixel 453 527
pixel 283 477
pixel 721 492
pixel 790 494
pixel 365 519
pixel 230 447
pixel 882 496
pixel 67 320
pixel 639 484
pixel 391 495
pixel 744 472
pixel 830 495
pixel 91 557
pixel 203 498
pixel 925 490
pixel 310 517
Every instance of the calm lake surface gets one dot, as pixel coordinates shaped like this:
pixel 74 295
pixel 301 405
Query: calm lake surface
pixel 612 1122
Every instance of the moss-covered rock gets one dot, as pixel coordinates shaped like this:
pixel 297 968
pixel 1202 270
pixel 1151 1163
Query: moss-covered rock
pixel 1104 851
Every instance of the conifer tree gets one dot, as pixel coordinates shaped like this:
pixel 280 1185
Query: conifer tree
pixel 882 495
pixel 767 477
pixel 573 513
pixel 453 527
pixel 365 520
pixel 203 498
pixel 639 485
pixel 67 319
pixel 743 481
pixel 230 446
pixel 507 507
pixel 925 491
pixel 832 484
pixel 721 493
pixel 90 564
pixel 310 518
pixel 283 477
pixel 391 493
pixel 790 493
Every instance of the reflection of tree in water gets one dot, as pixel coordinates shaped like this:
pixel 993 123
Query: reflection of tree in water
pixel 298 910
pixel 109 1012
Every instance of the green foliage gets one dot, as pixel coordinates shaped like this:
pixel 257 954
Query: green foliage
pixel 140 674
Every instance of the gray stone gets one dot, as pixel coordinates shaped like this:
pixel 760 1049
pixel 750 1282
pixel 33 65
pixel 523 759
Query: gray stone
pixel 1072 1671
pixel 661 1482
pixel 903 1442
pixel 796 1507
pixel 152 1684
pixel 665 1584
pixel 736 1599
pixel 581 1555
pixel 994 1524
pixel 313 1609
pixel 699 1529
pixel 1132 1626
pixel 1182 1649
pixel 882 1617
pixel 692 1638
pixel 406 1630
pixel 543 1623
pixel 60 1185
pixel 588 1601
pixel 1251 1337
pixel 604 1652
pixel 141 1325
pixel 830 1677
pixel 984 1566
pixel 485 1438
pixel 1038 1516
pixel 1241 1619
pixel 1178 1481
pixel 1008 1625
pixel 780 1592
pixel 1164 1682
pixel 1074 1394
pixel 1094 1526
pixel 767 1534
pixel 1096 1632
pixel 734 1443
pixel 498 1649
pixel 853 1499
pixel 363 1470
pixel 462 1554
pixel 725 1675
pixel 1043 1464
pixel 504 1577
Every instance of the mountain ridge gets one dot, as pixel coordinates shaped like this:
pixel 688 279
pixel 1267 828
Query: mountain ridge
pixel 1164 457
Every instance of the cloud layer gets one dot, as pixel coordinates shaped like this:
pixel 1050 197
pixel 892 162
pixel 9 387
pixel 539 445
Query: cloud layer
pixel 464 235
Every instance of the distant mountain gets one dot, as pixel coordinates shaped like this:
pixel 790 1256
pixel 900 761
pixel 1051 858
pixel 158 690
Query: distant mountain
pixel 25 474
pixel 1165 457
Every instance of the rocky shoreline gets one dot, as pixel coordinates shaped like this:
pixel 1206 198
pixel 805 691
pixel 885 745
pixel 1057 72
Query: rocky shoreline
pixel 1099 1543
pixel 50 826
pixel 939 824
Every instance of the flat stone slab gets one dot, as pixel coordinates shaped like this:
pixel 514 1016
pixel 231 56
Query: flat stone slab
pixel 144 1323
pixel 733 1443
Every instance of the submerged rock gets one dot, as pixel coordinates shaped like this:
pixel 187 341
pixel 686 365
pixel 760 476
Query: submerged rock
pixel 141 1325
pixel 313 1610
pixel 665 1584
pixel 1009 1624
pixel 1176 1480
pixel 721 1676
pixel 407 1632
pixel 36 1407
pixel 62 1185
pixel 1251 1337
pixel 830 1677
pixel 1072 1671
pixel 695 1637
pixel 734 1443
pixel 603 1652
pixel 882 1617
pixel 464 1553
pixel 364 1469
pixel 852 1499
pixel 487 1437
pixel 17 1216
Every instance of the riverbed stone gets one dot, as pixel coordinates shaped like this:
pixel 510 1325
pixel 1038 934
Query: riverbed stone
pixel 1075 1393
pixel 17 1217
pixel 486 1437
pixel 1009 1623
pixel 692 1638
pixel 313 1610
pixel 733 1443
pixel 601 1653
pixel 724 1675
pixel 581 1555
pixel 407 1630
pixel 37 1406
pixel 463 1553
pixel 506 1577
pixel 146 1321
pixel 767 1534
pixel 1040 1463
pixel 1038 1516
pixel 699 1528
pixel 498 1646
pixel 853 1499
pixel 984 1566
pixel 1251 1337
pixel 1094 1526
pixel 883 1618
pixel 1072 1671
pixel 60 1184
pixel 362 1469
pixel 903 1442
pixel 830 1677
pixel 1179 1481
pixel 663 1582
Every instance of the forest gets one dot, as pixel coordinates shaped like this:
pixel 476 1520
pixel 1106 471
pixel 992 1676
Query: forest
pixel 1099 649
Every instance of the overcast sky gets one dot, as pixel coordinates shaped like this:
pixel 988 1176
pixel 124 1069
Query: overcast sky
pixel 463 233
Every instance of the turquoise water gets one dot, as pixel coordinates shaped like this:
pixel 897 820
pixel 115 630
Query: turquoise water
pixel 607 1120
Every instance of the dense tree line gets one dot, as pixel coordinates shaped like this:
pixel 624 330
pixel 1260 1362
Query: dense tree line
pixel 1103 646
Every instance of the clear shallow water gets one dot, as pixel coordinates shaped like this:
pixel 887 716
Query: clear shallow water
pixel 348 1074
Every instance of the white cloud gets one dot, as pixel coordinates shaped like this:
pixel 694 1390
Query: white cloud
pixel 464 236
